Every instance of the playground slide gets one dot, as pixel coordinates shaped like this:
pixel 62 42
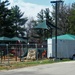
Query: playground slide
pixel 25 54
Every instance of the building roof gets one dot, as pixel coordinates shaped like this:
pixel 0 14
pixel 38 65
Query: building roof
pixel 66 37
pixel 42 25
pixel 3 38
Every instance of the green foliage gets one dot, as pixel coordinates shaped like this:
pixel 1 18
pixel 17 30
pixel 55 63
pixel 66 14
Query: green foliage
pixel 18 21
pixel 11 55
pixel 71 18
pixel 44 15
pixel 40 15
pixel 11 20
pixel 5 20
pixel 49 21
pixel 66 19
pixel 15 65
pixel 62 18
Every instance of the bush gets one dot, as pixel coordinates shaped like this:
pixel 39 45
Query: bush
pixel 11 55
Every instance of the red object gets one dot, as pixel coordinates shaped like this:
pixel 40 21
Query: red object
pixel 44 53
pixel 13 51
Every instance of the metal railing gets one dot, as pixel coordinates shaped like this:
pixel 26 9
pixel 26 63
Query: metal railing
pixel 15 52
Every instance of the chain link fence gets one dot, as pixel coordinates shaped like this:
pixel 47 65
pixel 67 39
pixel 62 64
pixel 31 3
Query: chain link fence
pixel 18 52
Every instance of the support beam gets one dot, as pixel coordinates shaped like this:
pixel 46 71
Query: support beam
pixel 56 3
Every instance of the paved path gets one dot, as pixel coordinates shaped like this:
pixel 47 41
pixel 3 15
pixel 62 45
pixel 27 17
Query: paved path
pixel 65 68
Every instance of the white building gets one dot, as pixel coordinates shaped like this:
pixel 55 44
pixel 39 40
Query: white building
pixel 65 46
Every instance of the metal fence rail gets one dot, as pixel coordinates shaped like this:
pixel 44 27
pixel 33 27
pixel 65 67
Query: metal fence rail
pixel 16 52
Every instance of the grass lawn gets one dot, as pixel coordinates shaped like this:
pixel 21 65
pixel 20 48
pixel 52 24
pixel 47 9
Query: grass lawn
pixel 15 65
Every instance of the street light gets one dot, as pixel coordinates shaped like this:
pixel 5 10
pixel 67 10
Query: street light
pixel 56 3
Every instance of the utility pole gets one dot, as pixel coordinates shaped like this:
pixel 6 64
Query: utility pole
pixel 56 3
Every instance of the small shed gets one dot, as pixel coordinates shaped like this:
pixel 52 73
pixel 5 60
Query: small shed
pixel 65 46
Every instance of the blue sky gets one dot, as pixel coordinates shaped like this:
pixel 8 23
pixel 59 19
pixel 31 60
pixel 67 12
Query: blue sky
pixel 46 2
pixel 39 2
pixel 32 7
pixel 69 1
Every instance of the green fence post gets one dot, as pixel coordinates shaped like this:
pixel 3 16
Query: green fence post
pixel 7 53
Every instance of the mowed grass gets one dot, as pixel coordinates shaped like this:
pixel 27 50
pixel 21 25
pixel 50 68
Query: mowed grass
pixel 15 65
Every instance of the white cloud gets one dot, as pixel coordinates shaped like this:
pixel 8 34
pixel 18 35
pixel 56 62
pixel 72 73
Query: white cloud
pixel 29 9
